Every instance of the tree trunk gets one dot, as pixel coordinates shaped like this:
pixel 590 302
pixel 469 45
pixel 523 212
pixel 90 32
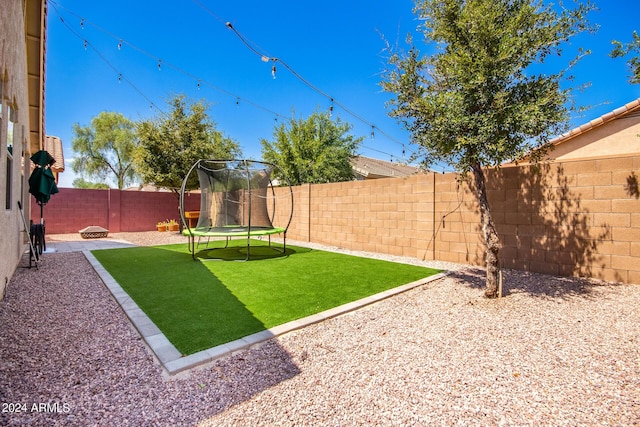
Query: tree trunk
pixel 490 235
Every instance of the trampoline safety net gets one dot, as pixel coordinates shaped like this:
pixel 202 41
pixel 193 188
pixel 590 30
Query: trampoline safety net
pixel 234 195
pixel 237 198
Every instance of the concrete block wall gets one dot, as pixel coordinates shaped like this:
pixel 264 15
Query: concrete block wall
pixel 70 210
pixel 574 218
pixel 299 227
pixel 73 209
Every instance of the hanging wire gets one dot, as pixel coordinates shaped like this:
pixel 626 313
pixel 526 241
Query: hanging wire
pixel 104 59
pixel 159 61
pixel 264 57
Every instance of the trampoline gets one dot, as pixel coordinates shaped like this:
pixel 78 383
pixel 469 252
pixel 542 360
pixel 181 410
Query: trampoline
pixel 237 199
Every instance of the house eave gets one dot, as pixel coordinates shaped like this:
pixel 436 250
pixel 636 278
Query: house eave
pixel 35 38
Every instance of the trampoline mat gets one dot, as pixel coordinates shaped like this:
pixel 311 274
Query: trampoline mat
pixel 232 230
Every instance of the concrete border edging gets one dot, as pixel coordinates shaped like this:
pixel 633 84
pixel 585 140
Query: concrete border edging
pixel 174 362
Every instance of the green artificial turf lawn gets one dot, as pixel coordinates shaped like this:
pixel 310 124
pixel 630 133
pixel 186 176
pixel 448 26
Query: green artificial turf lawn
pixel 201 304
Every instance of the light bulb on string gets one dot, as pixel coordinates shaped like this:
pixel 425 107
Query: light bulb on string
pixel 264 58
pixel 119 78
pixel 237 101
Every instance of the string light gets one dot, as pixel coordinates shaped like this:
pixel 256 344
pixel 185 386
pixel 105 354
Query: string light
pixel 56 6
pixel 264 58
pixel 104 59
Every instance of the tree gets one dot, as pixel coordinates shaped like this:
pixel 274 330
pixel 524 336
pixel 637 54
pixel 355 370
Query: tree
pixel 478 101
pixel 315 150
pixel 621 50
pixel 105 148
pixel 83 183
pixel 171 143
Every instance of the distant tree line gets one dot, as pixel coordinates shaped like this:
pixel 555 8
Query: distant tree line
pixel 161 150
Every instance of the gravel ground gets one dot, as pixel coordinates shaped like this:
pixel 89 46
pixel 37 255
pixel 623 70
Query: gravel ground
pixel 554 351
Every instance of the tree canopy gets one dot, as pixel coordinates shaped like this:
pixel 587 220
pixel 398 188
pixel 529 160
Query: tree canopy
pixel 105 148
pixel 171 143
pixel 313 150
pixel 83 183
pixel 478 100
pixel 631 48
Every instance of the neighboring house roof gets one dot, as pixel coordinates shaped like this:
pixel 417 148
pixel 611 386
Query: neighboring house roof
pixel 614 133
pixel 615 114
pixel 369 168
pixel 147 187
pixel 53 145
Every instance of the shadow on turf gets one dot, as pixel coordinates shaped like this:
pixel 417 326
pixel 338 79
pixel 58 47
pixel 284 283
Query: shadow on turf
pixel 179 301
pixel 239 253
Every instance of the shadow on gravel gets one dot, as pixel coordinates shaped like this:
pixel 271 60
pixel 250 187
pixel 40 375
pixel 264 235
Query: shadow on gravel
pixel 67 348
pixel 534 284
pixel 233 380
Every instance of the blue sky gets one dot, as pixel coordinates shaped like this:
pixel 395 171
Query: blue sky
pixel 337 46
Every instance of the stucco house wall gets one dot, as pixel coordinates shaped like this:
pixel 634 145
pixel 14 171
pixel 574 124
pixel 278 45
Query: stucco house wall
pixel 614 134
pixel 21 89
